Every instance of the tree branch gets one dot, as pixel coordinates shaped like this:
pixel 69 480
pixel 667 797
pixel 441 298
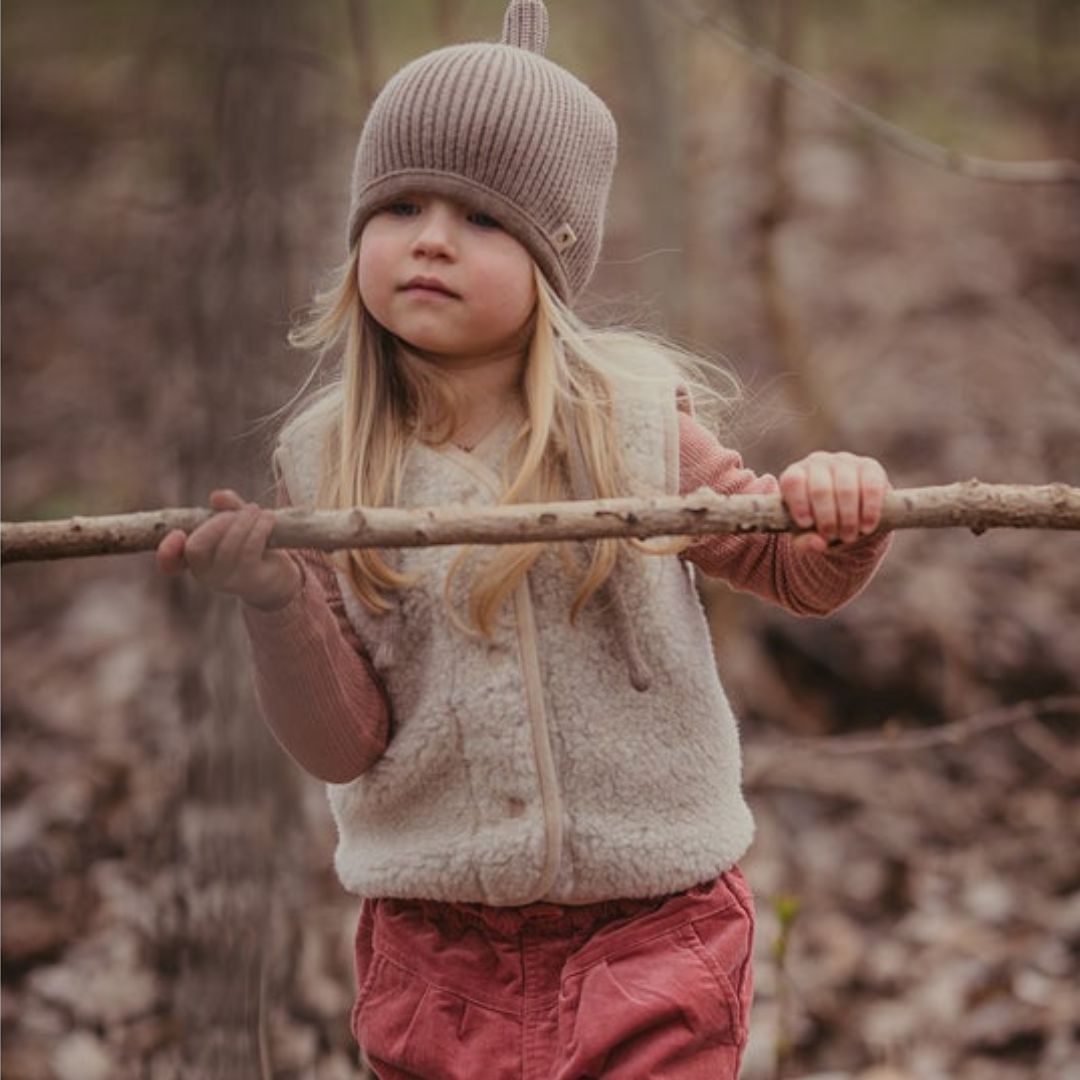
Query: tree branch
pixel 1064 171
pixel 970 504
pixel 765 759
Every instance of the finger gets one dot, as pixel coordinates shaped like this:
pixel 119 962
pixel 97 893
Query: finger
pixel 228 555
pixel 169 555
pixel 202 544
pixel 255 543
pixel 225 499
pixel 793 488
pixel 821 486
pixel 846 488
pixel 873 483
pixel 252 551
pixel 270 569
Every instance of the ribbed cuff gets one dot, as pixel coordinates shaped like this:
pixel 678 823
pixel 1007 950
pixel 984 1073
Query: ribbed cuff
pixel 829 579
pixel 283 626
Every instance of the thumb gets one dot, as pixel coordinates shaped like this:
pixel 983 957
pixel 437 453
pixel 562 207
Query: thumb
pixel 808 542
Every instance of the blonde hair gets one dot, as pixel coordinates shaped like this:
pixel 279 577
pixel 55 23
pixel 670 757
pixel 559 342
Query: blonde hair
pixel 384 396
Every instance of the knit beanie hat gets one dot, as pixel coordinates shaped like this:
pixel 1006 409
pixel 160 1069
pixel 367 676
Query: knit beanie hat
pixel 504 130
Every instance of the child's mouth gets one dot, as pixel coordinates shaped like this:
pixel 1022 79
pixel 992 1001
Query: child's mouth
pixel 429 287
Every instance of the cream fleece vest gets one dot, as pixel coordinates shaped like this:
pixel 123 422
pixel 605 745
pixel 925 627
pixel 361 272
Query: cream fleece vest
pixel 528 768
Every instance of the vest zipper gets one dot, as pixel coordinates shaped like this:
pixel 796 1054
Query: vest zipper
pixel 534 699
pixel 545 759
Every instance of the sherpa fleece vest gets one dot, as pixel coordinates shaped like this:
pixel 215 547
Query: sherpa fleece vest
pixel 527 767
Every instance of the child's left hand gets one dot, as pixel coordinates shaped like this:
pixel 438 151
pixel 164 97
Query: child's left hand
pixel 839 495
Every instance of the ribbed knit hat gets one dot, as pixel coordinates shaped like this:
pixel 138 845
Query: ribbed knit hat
pixel 503 129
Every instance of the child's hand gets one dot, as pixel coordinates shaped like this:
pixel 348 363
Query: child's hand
pixel 229 553
pixel 839 495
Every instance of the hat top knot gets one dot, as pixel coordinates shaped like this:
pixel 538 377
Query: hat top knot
pixel 504 130
pixel 525 25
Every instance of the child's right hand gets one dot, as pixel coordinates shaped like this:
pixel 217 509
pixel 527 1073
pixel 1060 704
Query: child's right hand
pixel 228 553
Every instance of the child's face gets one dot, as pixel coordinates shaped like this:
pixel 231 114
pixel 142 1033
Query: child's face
pixel 479 290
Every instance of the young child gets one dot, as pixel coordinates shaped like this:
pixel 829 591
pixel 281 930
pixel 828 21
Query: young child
pixel 531 762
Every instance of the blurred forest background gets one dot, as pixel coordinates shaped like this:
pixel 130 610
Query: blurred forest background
pixel 174 189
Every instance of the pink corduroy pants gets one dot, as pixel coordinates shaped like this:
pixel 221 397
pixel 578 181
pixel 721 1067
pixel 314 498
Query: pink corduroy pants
pixel 624 990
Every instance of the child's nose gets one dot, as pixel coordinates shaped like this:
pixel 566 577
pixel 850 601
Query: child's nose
pixel 435 229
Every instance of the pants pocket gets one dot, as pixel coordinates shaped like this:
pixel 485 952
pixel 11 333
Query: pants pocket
pixel 656 1010
pixel 723 941
pixel 386 1009
pixel 411 1029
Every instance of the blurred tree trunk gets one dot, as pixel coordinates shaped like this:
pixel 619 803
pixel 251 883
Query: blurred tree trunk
pixel 653 145
pixel 816 429
pixel 1056 22
pixel 716 93
pixel 240 142
pixel 362 27
pixel 448 15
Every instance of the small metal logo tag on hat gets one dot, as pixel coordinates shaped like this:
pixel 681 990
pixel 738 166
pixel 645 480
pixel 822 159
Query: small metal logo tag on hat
pixel 564 237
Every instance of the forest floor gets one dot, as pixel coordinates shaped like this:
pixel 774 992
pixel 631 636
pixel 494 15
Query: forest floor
pixel 936 906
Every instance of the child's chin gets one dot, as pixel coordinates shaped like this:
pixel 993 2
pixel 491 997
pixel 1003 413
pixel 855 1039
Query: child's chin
pixel 427 348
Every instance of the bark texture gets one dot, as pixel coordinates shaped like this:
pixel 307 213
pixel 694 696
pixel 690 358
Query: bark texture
pixel 970 504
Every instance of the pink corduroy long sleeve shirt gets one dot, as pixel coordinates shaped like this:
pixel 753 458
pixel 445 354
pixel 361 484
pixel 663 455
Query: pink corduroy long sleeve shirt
pixel 327 708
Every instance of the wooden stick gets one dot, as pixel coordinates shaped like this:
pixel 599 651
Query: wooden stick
pixel 971 504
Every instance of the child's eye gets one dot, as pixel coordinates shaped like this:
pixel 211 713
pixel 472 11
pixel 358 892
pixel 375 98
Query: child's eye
pixel 401 209
pixel 485 221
